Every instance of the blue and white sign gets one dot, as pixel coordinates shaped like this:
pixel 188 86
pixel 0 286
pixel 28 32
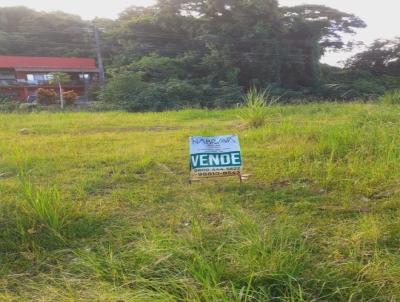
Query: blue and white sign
pixel 215 156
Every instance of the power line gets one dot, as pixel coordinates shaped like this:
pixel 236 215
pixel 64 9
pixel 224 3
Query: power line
pixel 143 34
pixel 71 30
pixel 23 41
pixel 172 48
pixel 27 39
pixel 209 51
pixel 26 35
pixel 51 43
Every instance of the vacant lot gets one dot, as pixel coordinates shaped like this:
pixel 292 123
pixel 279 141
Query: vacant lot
pixel 97 207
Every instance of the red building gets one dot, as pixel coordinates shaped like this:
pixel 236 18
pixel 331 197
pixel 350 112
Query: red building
pixel 20 77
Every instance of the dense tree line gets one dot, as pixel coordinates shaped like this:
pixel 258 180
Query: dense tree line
pixel 381 58
pixel 207 51
pixel 26 32
pixel 366 75
pixel 204 52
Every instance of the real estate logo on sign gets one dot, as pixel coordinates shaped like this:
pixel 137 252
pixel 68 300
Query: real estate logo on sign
pixel 215 156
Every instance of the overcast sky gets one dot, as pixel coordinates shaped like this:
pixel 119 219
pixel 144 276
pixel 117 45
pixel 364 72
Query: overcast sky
pixel 381 16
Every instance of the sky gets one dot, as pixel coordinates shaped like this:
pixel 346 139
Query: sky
pixel 381 16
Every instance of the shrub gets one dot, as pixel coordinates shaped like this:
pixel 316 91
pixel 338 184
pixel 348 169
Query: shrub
pixel 7 104
pixel 70 97
pixel 123 90
pixel 27 107
pixel 46 96
pixel 167 95
pixel 222 95
pixel 93 92
pixel 130 92
pixel 391 98
pixel 100 106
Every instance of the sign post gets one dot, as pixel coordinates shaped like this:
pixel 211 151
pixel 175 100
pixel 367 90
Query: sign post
pixel 215 156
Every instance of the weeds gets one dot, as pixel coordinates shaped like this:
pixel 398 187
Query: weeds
pixel 43 207
pixel 255 108
pixel 268 263
pixel 391 98
pixel 44 218
pixel 116 220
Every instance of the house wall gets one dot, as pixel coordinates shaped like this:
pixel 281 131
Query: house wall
pixel 17 93
pixel 22 89
pixel 21 93
pixel 20 75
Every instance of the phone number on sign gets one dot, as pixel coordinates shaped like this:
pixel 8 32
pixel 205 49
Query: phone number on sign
pixel 217 173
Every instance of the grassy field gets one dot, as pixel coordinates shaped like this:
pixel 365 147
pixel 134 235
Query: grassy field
pixel 97 207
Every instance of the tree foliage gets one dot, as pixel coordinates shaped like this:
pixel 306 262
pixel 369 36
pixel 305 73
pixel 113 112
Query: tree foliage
pixel 26 32
pixel 235 41
pixel 191 52
pixel 224 43
pixel 381 58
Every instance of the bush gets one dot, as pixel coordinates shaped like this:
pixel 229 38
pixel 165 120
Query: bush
pixel 27 107
pixel 222 95
pixel 100 106
pixel 70 97
pixel 391 98
pixel 347 84
pixel 46 96
pixel 130 92
pixel 7 104
pixel 93 92
pixel 122 90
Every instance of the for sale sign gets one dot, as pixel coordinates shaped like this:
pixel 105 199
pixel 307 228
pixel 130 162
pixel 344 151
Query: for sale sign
pixel 215 156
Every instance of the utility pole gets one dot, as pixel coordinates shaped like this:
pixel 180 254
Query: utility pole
pixel 102 78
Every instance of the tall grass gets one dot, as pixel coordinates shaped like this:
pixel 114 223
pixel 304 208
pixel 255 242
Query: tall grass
pixel 43 218
pixel 255 107
pixel 43 206
pixel 250 264
pixel 317 221
pixel 391 98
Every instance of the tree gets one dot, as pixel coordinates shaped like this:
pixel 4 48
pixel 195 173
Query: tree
pixel 243 42
pixel 324 23
pixel 59 79
pixel 24 31
pixel 214 45
pixel 380 58
pixel 310 31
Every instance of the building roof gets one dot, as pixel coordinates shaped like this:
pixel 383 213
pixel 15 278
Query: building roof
pixel 48 63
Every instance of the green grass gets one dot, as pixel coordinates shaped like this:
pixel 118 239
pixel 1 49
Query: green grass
pixel 391 98
pixel 254 112
pixel 97 207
